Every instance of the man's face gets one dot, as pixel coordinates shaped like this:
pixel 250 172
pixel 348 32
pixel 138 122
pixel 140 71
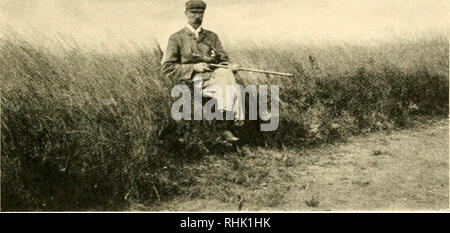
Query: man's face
pixel 195 18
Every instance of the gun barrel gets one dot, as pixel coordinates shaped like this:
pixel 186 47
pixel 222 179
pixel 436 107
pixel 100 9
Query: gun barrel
pixel 255 70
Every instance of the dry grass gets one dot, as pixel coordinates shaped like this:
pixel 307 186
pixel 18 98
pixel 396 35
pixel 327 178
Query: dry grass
pixel 84 129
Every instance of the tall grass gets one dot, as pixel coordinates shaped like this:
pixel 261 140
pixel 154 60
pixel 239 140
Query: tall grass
pixel 91 130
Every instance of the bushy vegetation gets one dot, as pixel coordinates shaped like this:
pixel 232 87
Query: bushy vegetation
pixel 83 129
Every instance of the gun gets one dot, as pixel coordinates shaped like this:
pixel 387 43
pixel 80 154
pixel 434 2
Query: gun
pixel 254 70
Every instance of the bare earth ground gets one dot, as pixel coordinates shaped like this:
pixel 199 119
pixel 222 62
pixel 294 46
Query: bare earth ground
pixel 399 170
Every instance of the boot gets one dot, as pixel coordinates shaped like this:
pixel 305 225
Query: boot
pixel 229 137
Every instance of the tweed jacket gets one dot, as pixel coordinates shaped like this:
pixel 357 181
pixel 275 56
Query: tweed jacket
pixel 184 49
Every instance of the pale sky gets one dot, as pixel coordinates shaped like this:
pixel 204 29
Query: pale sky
pixel 114 21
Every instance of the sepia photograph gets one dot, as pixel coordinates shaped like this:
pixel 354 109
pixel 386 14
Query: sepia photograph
pixel 234 106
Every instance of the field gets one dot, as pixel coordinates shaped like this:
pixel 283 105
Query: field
pixel 85 129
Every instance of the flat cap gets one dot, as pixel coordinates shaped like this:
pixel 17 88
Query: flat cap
pixel 195 6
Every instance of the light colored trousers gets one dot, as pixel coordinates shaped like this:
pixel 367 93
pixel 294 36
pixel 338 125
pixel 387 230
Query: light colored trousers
pixel 223 88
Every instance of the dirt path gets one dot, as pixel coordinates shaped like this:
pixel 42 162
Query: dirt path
pixel 403 170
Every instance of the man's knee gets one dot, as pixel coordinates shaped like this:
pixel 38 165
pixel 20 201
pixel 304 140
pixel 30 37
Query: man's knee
pixel 223 71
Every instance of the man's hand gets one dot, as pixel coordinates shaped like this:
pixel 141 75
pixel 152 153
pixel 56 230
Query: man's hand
pixel 201 67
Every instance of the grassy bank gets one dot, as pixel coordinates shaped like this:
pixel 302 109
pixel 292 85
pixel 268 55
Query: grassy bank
pixel 83 129
pixel 401 170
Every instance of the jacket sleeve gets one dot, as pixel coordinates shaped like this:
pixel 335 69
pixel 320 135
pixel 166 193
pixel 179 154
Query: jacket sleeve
pixel 223 57
pixel 171 65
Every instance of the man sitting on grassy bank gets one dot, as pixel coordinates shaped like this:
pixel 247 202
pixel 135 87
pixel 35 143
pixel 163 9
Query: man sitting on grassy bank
pixel 187 58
